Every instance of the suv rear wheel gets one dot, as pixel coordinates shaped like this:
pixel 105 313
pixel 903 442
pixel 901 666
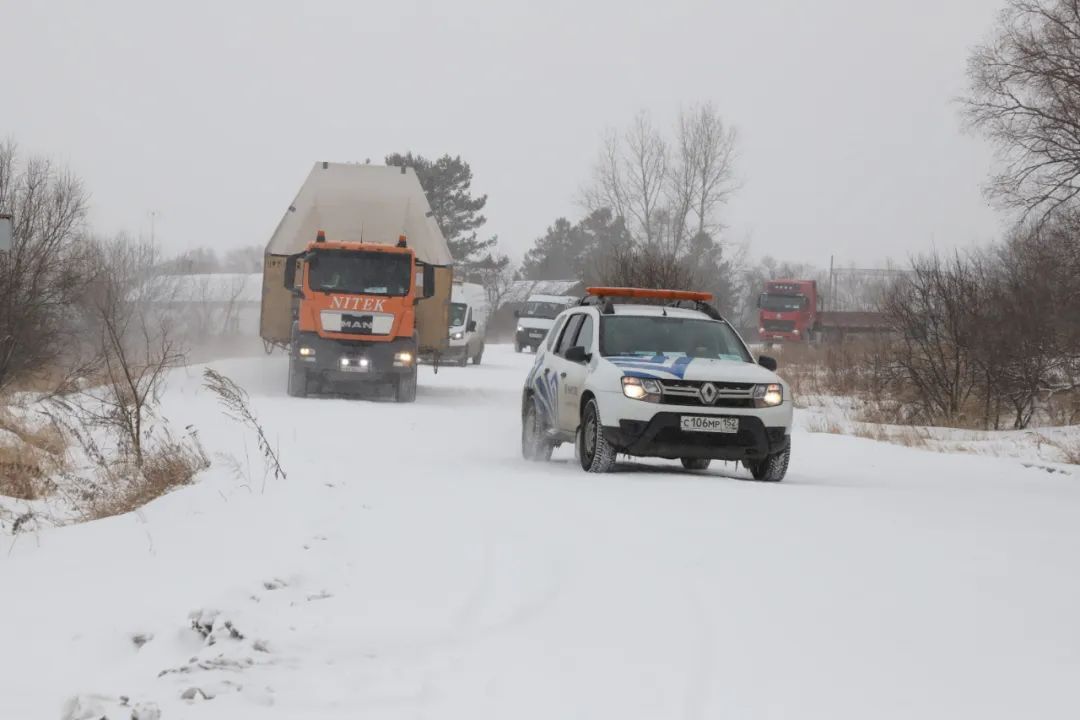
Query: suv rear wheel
pixel 535 444
pixel 770 469
pixel 696 463
pixel 594 452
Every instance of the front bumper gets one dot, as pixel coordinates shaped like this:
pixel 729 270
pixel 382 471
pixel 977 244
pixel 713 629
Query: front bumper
pixel 662 437
pixel 530 336
pixel 326 363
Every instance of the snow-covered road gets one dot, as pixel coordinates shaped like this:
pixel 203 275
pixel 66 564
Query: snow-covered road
pixel 413 566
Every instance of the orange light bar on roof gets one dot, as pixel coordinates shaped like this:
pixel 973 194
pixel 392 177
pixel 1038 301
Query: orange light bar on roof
pixel 649 293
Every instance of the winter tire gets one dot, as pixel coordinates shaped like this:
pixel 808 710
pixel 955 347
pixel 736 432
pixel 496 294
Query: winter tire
pixel 517 347
pixel 298 380
pixel 535 444
pixel 696 463
pixel 406 388
pixel 593 450
pixel 770 469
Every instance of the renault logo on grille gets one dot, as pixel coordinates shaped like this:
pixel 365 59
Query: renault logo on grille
pixel 708 393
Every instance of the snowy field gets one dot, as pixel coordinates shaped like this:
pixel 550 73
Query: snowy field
pixel 413 566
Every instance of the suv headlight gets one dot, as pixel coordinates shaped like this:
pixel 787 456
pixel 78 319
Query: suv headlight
pixel 641 389
pixel 458 336
pixel 768 395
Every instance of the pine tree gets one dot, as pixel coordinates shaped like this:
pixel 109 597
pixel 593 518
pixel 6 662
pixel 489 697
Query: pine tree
pixel 447 182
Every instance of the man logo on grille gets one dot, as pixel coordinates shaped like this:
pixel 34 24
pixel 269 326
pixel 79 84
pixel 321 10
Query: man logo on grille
pixel 708 393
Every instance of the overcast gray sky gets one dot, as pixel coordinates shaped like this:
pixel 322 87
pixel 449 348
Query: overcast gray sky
pixel 211 113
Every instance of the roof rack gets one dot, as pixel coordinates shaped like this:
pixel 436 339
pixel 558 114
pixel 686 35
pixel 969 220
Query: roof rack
pixel 602 296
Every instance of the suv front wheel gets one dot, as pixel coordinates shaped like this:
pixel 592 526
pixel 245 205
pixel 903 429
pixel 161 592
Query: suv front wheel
pixel 770 469
pixel 593 450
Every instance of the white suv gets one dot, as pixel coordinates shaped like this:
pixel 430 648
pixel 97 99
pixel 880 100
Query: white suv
pixel 655 381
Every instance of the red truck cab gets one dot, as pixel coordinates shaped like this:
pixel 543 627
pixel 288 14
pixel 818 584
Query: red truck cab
pixel 787 311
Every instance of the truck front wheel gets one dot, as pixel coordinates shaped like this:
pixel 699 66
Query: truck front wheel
pixel 298 380
pixel 406 388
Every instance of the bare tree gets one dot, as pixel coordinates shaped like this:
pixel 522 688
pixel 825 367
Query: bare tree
pixel 1025 96
pixel 133 348
pixel 710 155
pixel 43 272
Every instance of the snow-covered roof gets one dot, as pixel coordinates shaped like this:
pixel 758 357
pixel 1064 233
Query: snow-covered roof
pixel 202 288
pixel 657 311
pixel 521 290
pixel 374 203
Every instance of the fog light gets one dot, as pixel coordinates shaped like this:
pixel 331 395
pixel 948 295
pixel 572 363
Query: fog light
pixel 344 362
pixel 307 352
pixel 363 362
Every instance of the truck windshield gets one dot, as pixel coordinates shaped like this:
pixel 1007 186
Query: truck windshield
pixel 362 273
pixel 638 336
pixel 457 314
pixel 782 303
pixel 547 310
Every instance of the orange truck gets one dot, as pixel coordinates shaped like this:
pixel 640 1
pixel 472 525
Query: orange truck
pixel 356 282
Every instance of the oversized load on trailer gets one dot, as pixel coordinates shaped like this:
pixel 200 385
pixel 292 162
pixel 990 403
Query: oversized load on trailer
pixel 356 280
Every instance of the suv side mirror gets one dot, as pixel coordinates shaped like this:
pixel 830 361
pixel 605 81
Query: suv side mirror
pixel 471 327
pixel 769 363
pixel 577 354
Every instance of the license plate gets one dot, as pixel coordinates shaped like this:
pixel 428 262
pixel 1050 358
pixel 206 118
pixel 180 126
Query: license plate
pixel 698 423
pixel 354 366
pixel 536 334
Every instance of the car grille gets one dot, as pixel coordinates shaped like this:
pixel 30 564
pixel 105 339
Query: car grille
pixel 778 325
pixel 691 393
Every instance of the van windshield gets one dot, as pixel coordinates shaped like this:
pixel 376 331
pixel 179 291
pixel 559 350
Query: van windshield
pixel 637 336
pixel 362 273
pixel 457 314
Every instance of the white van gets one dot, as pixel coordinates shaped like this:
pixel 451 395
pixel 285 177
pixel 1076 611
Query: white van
pixel 468 323
pixel 536 319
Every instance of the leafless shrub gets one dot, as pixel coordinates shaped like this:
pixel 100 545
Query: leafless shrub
pixel 169 464
pixel 235 400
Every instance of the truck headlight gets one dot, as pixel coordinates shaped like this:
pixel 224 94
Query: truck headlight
pixel 307 352
pixel 768 395
pixel 641 389
pixel 520 329
pixel 458 336
pixel 403 359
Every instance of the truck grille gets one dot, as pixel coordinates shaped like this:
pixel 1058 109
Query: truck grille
pixel 719 394
pixel 785 326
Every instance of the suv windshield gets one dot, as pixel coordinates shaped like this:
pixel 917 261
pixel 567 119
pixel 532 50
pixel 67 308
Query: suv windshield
pixel 366 273
pixel 782 303
pixel 547 310
pixel 631 335
pixel 457 314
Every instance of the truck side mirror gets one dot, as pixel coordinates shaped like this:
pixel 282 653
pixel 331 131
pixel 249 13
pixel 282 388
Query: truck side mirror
pixel 471 327
pixel 290 275
pixel 761 300
pixel 429 281
pixel 517 313
pixel 769 363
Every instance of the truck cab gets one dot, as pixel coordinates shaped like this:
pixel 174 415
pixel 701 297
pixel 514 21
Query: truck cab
pixel 537 318
pixel 354 319
pixel 787 311
pixel 468 323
